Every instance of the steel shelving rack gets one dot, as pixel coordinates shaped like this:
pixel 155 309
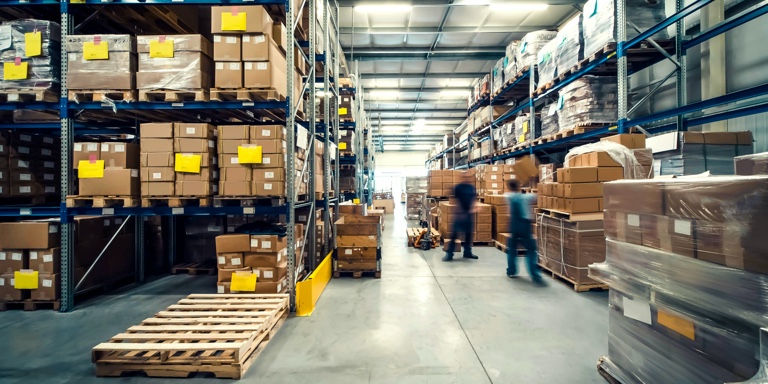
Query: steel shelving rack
pixel 680 118
pixel 67 129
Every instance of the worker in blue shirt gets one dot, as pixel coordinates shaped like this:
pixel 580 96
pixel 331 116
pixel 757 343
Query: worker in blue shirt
pixel 520 230
pixel 466 195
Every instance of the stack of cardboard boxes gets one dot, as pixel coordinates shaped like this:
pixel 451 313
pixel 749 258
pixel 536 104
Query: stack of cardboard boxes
pixel 501 217
pixel 174 62
pixel 243 256
pixel 756 164
pixel 243 176
pixel 346 109
pixel 101 62
pixel 120 164
pixel 358 242
pixel 491 179
pixel 29 164
pixel 482 219
pixel 347 143
pixel 441 182
pixel 178 159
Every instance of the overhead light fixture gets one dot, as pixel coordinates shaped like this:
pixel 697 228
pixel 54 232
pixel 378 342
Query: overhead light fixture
pixel 384 94
pixel 454 93
pixel 519 7
pixel 391 8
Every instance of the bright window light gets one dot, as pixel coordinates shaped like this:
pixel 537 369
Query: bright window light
pixel 384 94
pixel 454 94
pixel 391 8
pixel 519 7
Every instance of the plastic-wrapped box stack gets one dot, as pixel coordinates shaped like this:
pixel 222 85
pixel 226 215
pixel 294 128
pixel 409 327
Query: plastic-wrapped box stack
pixel 588 100
pixel 527 50
pixel 570 45
pixel 756 164
pixel 416 187
pixel 510 64
pixel 546 62
pixel 523 131
pixel 549 121
pixel 685 261
pixel 698 152
pixel 89 69
pixel 187 67
pixel 498 75
pixel 37 63
pixel 599 21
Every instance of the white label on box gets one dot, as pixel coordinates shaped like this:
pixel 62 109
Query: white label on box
pixel 230 229
pixel 268 186
pixel 47 283
pixel 220 289
pixel 177 211
pixel 48 177
pixel 234 160
pixel 254 243
pixel 249 210
pixel 119 148
pixel 48 164
pixel 25 177
pixel 106 222
pixel 639 310
pixel 1 174
pixel 248 65
pixel 246 39
pixel 269 175
pixel 13 282
pixel 110 211
pixel 25 189
pixel 234 66
pixel 280 256
pixel 219 65
pixel 5 36
pixel 633 220
pixel 48 258
pixel 50 189
pixel 211 143
pixel 91 147
pixel 261 66
pixel 279 287
pixel 53 229
pixel 257 273
pixel 683 227
pixel 222 260
pixel 371 237
pixel 258 39
pixel 268 274
pixel 25 138
pixel 191 130
pixel 24 150
pixel 236 261
pixel 157 175
pixel 15 256
pixel 347 251
pixel 72 56
pixel 266 160
pixel 118 221
pixel 104 147
pixel 33 255
pixel 23 164
pixel 266 132
pixel 230 40
pixel 47 140
pixel 266 244
pixel 217 38
pixel 134 173
pixel 2 255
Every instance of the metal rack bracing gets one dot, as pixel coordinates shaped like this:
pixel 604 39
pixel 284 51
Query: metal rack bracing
pixel 67 110
pixel 677 119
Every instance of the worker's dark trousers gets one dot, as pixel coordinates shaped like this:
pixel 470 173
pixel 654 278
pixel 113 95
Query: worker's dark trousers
pixel 462 224
pixel 522 232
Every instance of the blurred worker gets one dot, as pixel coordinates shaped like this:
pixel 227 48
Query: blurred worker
pixel 466 195
pixel 520 230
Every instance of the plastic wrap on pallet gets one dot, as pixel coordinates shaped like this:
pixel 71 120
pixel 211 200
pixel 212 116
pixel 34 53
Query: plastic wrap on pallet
pixel 416 184
pixel 185 70
pixel 570 46
pixel 546 62
pixel 568 248
pixel 549 123
pixel 588 100
pixel 756 164
pixel 498 75
pixel 600 24
pixel 523 130
pixel 44 71
pixel 528 48
pixel 619 153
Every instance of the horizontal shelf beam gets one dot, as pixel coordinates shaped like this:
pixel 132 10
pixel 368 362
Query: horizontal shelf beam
pixel 447 75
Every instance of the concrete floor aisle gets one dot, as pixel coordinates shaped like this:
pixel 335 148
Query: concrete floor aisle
pixel 424 321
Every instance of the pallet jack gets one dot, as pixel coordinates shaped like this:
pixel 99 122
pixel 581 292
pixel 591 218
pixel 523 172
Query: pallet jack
pixel 424 240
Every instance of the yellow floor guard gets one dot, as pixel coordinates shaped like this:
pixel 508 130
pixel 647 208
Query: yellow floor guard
pixel 309 290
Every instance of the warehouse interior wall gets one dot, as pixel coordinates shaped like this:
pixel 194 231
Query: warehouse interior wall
pixel 744 68
pixel 393 167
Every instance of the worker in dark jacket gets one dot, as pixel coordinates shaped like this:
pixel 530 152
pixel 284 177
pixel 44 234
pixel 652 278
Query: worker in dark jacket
pixel 520 230
pixel 463 221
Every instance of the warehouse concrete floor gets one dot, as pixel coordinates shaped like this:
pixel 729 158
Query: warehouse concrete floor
pixel 424 321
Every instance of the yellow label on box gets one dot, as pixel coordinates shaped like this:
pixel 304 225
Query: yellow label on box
pixel 355 201
pixel 26 279
pixel 187 163
pixel 87 169
pixel 521 139
pixel 342 111
pixel 93 51
pixel 233 21
pixel 342 145
pixel 161 49
pixel 243 282
pixel 249 155
pixel 33 44
pixel 12 71
pixel 677 324
pixel 525 127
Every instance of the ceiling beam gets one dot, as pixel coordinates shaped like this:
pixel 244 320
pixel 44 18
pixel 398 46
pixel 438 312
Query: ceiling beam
pixel 419 90
pixel 424 56
pixel 413 100
pixel 446 3
pixel 448 75
pixel 433 121
pixel 434 30
pixel 420 110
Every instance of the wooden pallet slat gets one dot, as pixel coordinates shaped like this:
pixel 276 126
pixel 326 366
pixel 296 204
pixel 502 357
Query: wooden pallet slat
pixel 248 201
pixel 176 201
pixel 102 201
pixel 194 269
pixel 28 94
pixel 101 95
pixel 173 96
pixel 575 285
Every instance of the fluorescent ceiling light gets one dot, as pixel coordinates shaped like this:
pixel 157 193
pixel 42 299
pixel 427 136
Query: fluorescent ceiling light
pixel 392 8
pixel 519 7
pixel 384 94
pixel 454 94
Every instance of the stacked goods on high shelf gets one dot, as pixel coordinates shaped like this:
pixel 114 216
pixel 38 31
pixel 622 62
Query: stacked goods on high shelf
pixel 698 152
pixel 510 64
pixel 588 100
pixel 252 160
pixel 546 62
pixel 523 131
pixel 30 261
pixel 416 188
pixel 599 23
pixel 480 149
pixel 685 261
pixel 527 50
pixel 485 116
pixel 319 173
pixel 101 63
pixel 32 56
pixel 347 179
pixel 756 164
pixel 570 48
pixel 178 159
pixel 441 182
pixel 504 136
pixel 321 236
pixel 346 108
pixel 358 243
pixel 347 143
pixel 501 217
pixel 174 63
pixel 107 169
pixel 549 120
pixel 491 179
pixel 482 220
pixel 29 165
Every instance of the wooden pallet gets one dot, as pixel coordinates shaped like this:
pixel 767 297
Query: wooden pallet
pixel 173 96
pixel 319 195
pixel 248 201
pixel 30 94
pixel 221 334
pixel 570 216
pixel 195 269
pixel 357 274
pixel 578 287
pixel 101 95
pixel 176 201
pixel 246 94
pixel 30 305
pixel 102 201
pixel 413 234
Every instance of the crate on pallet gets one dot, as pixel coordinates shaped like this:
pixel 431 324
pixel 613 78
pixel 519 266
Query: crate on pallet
pixel 358 243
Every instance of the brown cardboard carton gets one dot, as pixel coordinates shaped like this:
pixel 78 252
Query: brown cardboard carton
pixel 193 145
pixel 194 188
pixel 483 236
pixel 629 140
pixel 225 275
pixel 181 43
pixel 261 48
pixel 582 205
pixel 233 243
pixel 8 292
pixel 357 241
pixel 156 131
pixel 265 75
pixel 194 130
pixel 227 160
pixel 235 188
pixel 84 151
pixel 257 20
pixel 643 196
pixel 582 190
pixel 526 168
pixel 206 174
pixel 48 287
pixel 156 145
pixel 271 160
pixel 236 174
pixel 120 155
pixel 233 132
pixel 12 260
pixel 45 261
pixel 90 228
pixel 229 75
pixel 257 260
pixel 268 174
pixel 157 159
pixel 270 274
pixel 116 182
pixel 227 48
pixel 166 188
pixel 158 174
pixel 609 174
pixel 267 243
pixel 266 132
pixel 599 159
pixel 32 234
pixel 271 145
pixel 229 260
pixel 274 188
pixel 577 175
pixel 231 146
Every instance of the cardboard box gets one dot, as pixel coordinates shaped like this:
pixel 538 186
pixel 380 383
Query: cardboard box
pixel 8 292
pixel 85 151
pixel 229 260
pixel 229 75
pixel 270 274
pixel 526 168
pixel 181 43
pixel 233 132
pixel 605 174
pixel 158 174
pixel 231 146
pixel 116 182
pixel 577 175
pixel 265 75
pixel 257 20
pixel 271 145
pixel 227 48
pixel 48 287
pixel 193 145
pixel 582 190
pixel 235 188
pixel 275 188
pixel 225 274
pixel 166 188
pixel 156 145
pixel 192 79
pixel 266 132
pixel 45 261
pixel 258 260
pixel 194 131
pixel 195 188
pixel 582 205
pixel 236 174
pixel 629 140
pixel 357 241
pixel 156 131
pixel 120 155
pixel 32 234
pixel 599 159
pixel 357 253
pixel 12 260
pixel 90 228
pixel 158 159
pixel 233 243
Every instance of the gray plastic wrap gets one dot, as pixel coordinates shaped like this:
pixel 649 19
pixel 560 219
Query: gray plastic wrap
pixel 116 72
pixel 523 130
pixel 416 184
pixel 549 121
pixel 528 48
pixel 588 100
pixel 510 67
pixel 185 70
pixel 546 63
pixel 44 70
pixel 756 164
pixel 498 75
pixel 599 21
pixel 570 45
pixel 619 153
